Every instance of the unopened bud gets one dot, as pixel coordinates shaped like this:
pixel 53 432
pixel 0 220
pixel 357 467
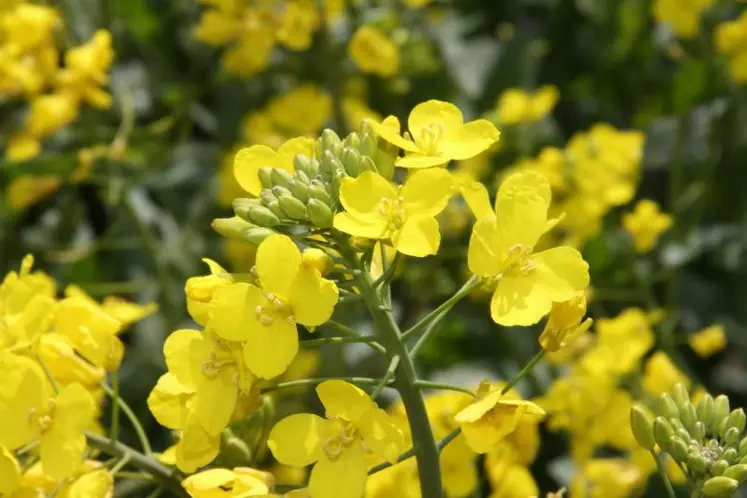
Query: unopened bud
pixel 678 449
pixel 330 141
pixel 300 191
pixel 367 164
pixel 688 416
pixel 317 259
pixel 736 420
pixel 351 160
pixel 281 192
pixel 336 183
pixel 257 234
pixel 281 177
pixel 743 447
pixel 231 228
pixel 292 207
pixel 720 487
pixel 737 472
pixel 643 427
pixel 329 166
pixel 266 196
pixel 697 462
pixel 274 207
pixel 720 413
pixel 385 162
pixel 663 433
pixel 732 436
pixel 265 177
pixel 319 213
pixel 301 177
pixel 261 216
pixel 698 431
pixel 719 467
pixel 666 407
pixel 730 455
pixel 680 395
pixel 705 410
pixel 319 192
pixel 308 165
pixel 353 140
pixel 234 450
pixel 369 145
pixel 241 206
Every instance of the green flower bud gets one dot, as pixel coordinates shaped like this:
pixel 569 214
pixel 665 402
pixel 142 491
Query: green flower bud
pixel 682 434
pixel 743 447
pixel 256 235
pixel 281 177
pixel 232 228
pixel 351 159
pixel 265 177
pixel 353 140
pixel 666 407
pixel 680 395
pixel 737 472
pixel 266 196
pixel 732 436
pixel 385 162
pixel 330 142
pixel 663 433
pixel 697 463
pixel 233 449
pixel 736 419
pixel 319 213
pixel 335 183
pixel 678 449
pixel 329 165
pixel 719 467
pixel 743 459
pixel 688 416
pixel 369 145
pixel 301 177
pixel 292 207
pixel 720 414
pixel 643 427
pixel 705 410
pixel 281 192
pixel 318 191
pixel 712 444
pixel 299 191
pixel 274 207
pixel 720 487
pixel 730 455
pixel 308 165
pixel 367 164
pixel 698 431
pixel 261 216
pixel 242 204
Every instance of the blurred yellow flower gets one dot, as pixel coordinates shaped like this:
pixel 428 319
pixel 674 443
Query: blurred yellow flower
pixel 660 374
pixel 607 478
pixel 646 224
pixel 731 39
pixel 683 17
pixel 516 106
pixel 26 190
pixel 373 51
pixel 565 324
pixel 248 161
pixel 622 341
pixel 217 483
pixel 708 341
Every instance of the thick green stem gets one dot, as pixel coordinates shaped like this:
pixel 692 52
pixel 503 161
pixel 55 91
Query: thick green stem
pixel 664 477
pixel 424 444
pixel 437 314
pixel 122 404
pixel 168 478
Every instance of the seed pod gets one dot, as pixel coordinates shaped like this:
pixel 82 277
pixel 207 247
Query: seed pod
pixel 666 407
pixel 663 433
pixel 281 177
pixel 680 395
pixel 697 463
pixel 737 472
pixel 231 228
pixel 678 449
pixel 367 164
pixel 719 467
pixel 319 213
pixel 256 235
pixel 732 436
pixel 705 410
pixel 308 165
pixel 730 455
pixel 720 414
pixel 319 192
pixel 720 487
pixel 265 177
pixel 300 191
pixel 241 205
pixel 698 431
pixel 643 427
pixel 292 207
pixel 351 160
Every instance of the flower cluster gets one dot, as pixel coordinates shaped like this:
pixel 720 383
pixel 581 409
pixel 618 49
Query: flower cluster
pixel 731 40
pixel 54 354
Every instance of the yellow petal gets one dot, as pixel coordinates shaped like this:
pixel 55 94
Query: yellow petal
pixel 215 401
pixel 278 262
pixel 184 353
pixel 246 165
pixel 416 161
pixel 561 272
pixel 96 484
pixel 207 480
pixel 468 140
pixel 476 196
pixel 427 192
pixel 298 440
pixel 61 456
pixel 381 435
pixel 167 401
pixel 234 310
pixel 351 225
pixel 389 130
pixel 344 400
pixel 74 411
pixel 288 151
pixel 445 115
pixel 313 298
pixel 361 196
pixel 343 477
pixel 269 349
pixel 516 301
pixel 23 389
pixel 10 472
pixel 521 208
pixel 418 237
pixel 196 447
pixel 479 407
pixel 483 256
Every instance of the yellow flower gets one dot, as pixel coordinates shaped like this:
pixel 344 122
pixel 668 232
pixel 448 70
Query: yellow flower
pixel 515 481
pixel 378 209
pixel 317 259
pixel 26 190
pixel 48 114
pixel 127 312
pixel 338 444
pixel 93 480
pixel 248 161
pixel 501 250
pixel 217 483
pixel 65 364
pixel 708 341
pixel 731 39
pixel 374 52
pixel 517 106
pixel 684 17
pixel 437 135
pixel 10 472
pixel 492 417
pixel 301 111
pixel 607 478
pixel 86 69
pixel 200 291
pixel 646 224
pixel 565 324
pixel 660 375
pixel 621 343
pixel 300 19
pixel 250 55
pixel 90 329
pixel 264 317
pixel 551 162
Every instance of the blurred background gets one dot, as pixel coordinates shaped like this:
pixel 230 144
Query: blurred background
pixel 119 120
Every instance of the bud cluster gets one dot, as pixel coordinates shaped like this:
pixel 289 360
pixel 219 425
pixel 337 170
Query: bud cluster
pixel 706 440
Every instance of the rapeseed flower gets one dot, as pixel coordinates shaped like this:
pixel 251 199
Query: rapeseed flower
pixel 337 444
pixel 607 478
pixel 10 472
pixel 501 250
pixel 90 329
pixel 248 161
pixel 264 316
pixel 200 290
pixel 660 374
pixel 646 224
pixel 378 209
pixel 217 483
pixel 708 341
pixel 683 17
pixel 565 325
pixel 516 106
pixel 731 40
pixel 621 343
pixel 373 51
pixel 437 135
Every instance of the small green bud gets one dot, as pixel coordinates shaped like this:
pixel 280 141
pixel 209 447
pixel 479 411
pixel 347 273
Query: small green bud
pixel 678 449
pixel 743 447
pixel 266 196
pixel 281 177
pixel 720 487
pixel 330 141
pixel 680 395
pixel 367 164
pixel 682 434
pixel 663 433
pixel 318 191
pixel 292 207
pixel 301 177
pixel 688 416
pixel 274 207
pixel 369 145
pixel 666 407
pixel 256 235
pixel 737 472
pixel 719 467
pixel 732 436
pixel 299 190
pixel 319 213
pixel 336 183
pixel 351 159
pixel 329 165
pixel 643 427
pixel 697 463
pixel 743 459
pixel 705 410
pixel 234 449
pixel 241 206
pixel 265 177
pixel 730 455
pixel 308 165
pixel 698 431
pixel 281 192
pixel 231 228
pixel 737 419
pixel 262 217
pixel 720 413
pixel 353 140
pixel 712 444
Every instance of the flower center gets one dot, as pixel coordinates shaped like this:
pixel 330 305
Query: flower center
pixel 43 420
pixel 347 435
pixel 430 136
pixel 274 309
pixel 393 210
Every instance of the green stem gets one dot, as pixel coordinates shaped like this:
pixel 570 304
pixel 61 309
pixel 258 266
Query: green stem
pixel 664 477
pixel 114 429
pixel 359 381
pixel 340 340
pixel 121 463
pixel 142 437
pixel 424 444
pixel 388 273
pixel 349 332
pixel 438 313
pixel 393 364
pixel 167 477
pixel 524 371
pixel 426 384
